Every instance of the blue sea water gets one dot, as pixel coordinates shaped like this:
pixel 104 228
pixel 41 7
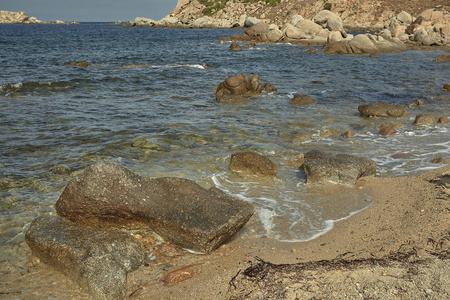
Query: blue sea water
pixel 160 118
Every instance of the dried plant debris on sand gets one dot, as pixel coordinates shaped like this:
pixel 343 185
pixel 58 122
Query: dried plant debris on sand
pixel 400 275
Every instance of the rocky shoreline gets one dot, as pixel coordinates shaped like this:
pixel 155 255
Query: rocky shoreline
pixel 20 17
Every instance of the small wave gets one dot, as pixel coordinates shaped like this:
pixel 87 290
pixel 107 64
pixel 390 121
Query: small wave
pixel 195 66
pixel 27 87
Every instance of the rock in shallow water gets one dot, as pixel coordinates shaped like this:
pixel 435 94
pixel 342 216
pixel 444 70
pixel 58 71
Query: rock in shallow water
pixel 340 168
pixel 252 163
pixel 179 210
pixel 382 110
pixel 98 260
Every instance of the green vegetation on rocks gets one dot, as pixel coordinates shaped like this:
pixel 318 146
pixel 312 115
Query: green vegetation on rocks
pixel 213 6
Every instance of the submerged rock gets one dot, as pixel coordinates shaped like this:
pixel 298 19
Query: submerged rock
pixel 443 58
pixel 236 88
pixel 252 163
pixel 382 110
pixel 98 260
pixel 341 168
pixel 179 210
pixel 300 99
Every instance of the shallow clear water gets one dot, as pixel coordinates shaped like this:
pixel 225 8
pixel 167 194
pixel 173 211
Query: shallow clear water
pixel 57 119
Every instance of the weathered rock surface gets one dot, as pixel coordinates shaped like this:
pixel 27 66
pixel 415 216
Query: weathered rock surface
pixel 330 21
pixel 382 110
pixel 365 43
pixel 300 99
pixel 98 260
pixel 179 210
pixel 340 168
pixel 252 163
pixel 425 120
pixel 235 89
pixel 139 21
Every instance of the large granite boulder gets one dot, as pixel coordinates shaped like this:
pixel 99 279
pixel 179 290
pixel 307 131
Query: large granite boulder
pixel 382 110
pixel 309 27
pixel 203 22
pixel 168 21
pixel 252 163
pixel 139 21
pixel 98 260
pixel 179 210
pixel 263 32
pixel 293 32
pixel 365 43
pixel 235 89
pixel 330 21
pixel 341 168
pixel 250 21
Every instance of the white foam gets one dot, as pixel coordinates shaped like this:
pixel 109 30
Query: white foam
pixel 329 224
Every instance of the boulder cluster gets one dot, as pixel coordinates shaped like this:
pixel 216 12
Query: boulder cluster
pixel 86 239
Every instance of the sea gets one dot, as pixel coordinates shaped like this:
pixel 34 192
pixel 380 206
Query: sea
pixel 146 102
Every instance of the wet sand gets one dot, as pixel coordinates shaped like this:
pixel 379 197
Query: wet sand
pixel 398 248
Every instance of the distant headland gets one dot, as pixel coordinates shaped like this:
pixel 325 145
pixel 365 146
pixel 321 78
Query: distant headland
pixel 20 17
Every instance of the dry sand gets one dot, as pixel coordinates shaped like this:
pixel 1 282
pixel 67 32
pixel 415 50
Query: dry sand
pixel 398 248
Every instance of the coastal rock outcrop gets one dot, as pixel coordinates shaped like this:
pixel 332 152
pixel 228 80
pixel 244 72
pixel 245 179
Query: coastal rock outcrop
pixel 252 163
pixel 139 21
pixel 179 210
pixel 235 89
pixel 20 17
pixel 382 110
pixel 340 168
pixel 98 260
pixel 365 43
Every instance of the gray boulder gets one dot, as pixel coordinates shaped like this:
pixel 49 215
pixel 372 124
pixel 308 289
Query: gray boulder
pixel 295 19
pixel 340 168
pixel 309 27
pixel 168 21
pixel 330 21
pixel 404 18
pixel 179 210
pixel 382 110
pixel 250 21
pixel 203 22
pixel 98 260
pixel 293 32
pixel 237 88
pixel 253 164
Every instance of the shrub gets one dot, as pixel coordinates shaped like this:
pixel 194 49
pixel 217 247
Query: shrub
pixel 327 6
